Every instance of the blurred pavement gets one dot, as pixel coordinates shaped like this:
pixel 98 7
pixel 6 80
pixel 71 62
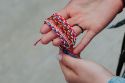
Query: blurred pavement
pixel 21 62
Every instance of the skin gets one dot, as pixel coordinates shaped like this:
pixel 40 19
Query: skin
pixel 92 15
pixel 83 71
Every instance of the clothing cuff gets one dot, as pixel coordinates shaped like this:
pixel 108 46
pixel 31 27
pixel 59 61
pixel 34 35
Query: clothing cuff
pixel 117 80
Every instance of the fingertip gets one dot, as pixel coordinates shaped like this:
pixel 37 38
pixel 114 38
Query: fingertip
pixel 44 29
pixel 70 62
pixel 64 57
pixel 43 41
pixel 56 42
pixel 67 58
pixel 77 50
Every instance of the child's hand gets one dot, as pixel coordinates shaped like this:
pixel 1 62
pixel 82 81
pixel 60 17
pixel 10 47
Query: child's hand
pixel 83 71
pixel 92 15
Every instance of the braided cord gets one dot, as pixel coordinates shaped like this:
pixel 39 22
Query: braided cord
pixel 64 31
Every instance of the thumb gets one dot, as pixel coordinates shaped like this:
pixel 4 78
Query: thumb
pixel 72 63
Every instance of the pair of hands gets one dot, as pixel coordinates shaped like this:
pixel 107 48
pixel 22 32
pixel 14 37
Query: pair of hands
pixel 93 16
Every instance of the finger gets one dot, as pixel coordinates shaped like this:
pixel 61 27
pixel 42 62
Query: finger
pixel 51 35
pixel 63 13
pixel 84 42
pixel 48 37
pixel 45 29
pixel 68 73
pixel 70 62
pixel 57 41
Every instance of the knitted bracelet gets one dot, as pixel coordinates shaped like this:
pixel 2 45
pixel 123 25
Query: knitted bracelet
pixel 64 31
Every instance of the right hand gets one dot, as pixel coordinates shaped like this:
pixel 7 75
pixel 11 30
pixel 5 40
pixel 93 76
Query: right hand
pixel 92 15
pixel 83 71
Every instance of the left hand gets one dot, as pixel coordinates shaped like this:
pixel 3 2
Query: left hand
pixel 91 15
pixel 83 71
